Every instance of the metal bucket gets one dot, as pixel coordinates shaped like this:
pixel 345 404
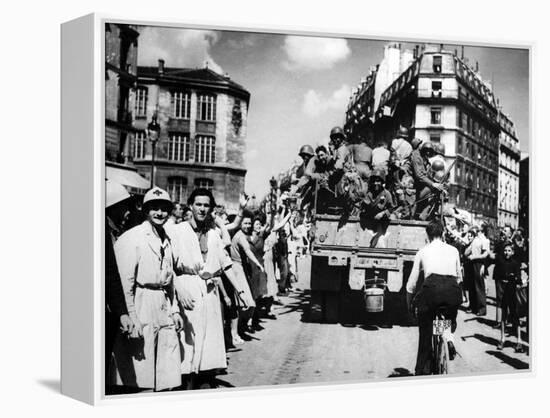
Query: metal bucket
pixel 374 295
pixel 374 299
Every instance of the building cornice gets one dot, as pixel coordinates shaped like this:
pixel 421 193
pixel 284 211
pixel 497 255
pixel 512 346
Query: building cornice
pixel 165 79
pixel 191 165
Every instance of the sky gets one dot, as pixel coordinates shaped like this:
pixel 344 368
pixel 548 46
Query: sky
pixel 300 85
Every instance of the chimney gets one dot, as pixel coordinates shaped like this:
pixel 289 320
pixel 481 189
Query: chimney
pixel 440 47
pixel 462 52
pixel 477 67
pixel 161 67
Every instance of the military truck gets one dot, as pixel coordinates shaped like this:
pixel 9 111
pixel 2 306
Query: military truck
pixel 358 265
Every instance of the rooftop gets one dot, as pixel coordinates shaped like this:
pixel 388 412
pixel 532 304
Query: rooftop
pixel 204 75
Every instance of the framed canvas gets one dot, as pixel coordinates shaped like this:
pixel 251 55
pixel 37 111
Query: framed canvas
pixel 274 208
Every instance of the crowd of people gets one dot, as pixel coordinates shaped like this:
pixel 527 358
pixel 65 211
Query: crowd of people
pixel 509 255
pixel 185 283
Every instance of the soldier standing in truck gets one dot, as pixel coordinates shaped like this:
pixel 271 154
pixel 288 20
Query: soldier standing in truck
pixel 426 186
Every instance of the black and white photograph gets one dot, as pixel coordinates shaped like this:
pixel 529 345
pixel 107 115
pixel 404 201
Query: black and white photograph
pixel 302 209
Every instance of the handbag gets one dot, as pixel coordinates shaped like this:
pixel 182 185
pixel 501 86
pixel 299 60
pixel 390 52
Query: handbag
pixel 522 305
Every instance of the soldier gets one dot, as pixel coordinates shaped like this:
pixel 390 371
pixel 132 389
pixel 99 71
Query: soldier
pixel 438 161
pixel 378 202
pixel 342 158
pixel 362 156
pixel 306 154
pixel 405 195
pixel 145 262
pixel 318 168
pixel 381 156
pixel 401 151
pixel 425 184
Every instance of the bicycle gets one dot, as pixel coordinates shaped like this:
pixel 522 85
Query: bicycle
pixel 440 348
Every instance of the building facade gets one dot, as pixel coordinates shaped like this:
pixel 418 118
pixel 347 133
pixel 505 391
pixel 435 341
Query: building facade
pixel 203 121
pixel 508 173
pixel 523 215
pixel 121 43
pixel 440 98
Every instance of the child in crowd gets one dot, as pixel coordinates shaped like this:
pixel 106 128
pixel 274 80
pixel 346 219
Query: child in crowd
pixel 508 282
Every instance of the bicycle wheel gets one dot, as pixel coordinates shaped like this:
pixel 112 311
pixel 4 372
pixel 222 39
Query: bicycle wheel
pixel 442 356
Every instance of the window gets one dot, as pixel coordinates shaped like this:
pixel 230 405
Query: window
pixel 205 149
pixel 206 109
pixel 459 119
pixel 181 105
pixel 435 138
pixel 436 88
pixel 204 183
pixel 459 145
pixel 177 188
pixel 141 102
pixel 140 145
pixel 437 64
pixel 179 147
pixel 435 115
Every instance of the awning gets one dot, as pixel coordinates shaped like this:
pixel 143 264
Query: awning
pixel 128 178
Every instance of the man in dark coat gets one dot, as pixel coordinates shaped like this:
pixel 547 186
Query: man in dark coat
pixel 117 202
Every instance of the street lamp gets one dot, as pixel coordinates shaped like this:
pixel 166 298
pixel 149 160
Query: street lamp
pixel 153 133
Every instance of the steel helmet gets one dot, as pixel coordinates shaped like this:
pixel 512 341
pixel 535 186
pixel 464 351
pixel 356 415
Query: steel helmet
pixel 439 148
pixel 114 193
pixel 427 146
pixel 337 131
pixel 377 172
pixel 156 193
pixel 403 132
pixel 307 150
pixel 438 165
pixel 416 142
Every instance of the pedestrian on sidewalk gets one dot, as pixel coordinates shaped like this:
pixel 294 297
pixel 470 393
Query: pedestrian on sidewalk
pixel 242 257
pixel 200 261
pixel 478 256
pixel 507 272
pixel 150 358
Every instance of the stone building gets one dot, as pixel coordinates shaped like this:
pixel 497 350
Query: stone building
pixel 440 98
pixel 202 142
pixel 508 173
pixel 121 42
pixel 523 215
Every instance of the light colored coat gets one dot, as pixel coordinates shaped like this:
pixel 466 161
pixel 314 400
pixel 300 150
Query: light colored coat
pixel 203 339
pixel 153 360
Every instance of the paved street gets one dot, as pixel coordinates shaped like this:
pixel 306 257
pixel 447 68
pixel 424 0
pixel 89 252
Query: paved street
pixel 292 350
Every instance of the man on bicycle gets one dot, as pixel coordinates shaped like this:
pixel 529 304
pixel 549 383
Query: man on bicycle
pixel 439 266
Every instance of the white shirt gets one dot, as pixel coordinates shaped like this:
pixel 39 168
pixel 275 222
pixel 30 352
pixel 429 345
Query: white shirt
pixel 435 258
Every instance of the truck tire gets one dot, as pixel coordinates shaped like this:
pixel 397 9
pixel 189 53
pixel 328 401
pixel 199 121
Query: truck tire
pixel 316 306
pixel 331 307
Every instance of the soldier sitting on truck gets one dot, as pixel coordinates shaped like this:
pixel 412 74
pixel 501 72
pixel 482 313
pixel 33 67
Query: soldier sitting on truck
pixel 405 196
pixel 343 159
pixel 306 154
pixel 317 170
pixel 362 157
pixel 401 151
pixel 377 205
pixel 427 188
